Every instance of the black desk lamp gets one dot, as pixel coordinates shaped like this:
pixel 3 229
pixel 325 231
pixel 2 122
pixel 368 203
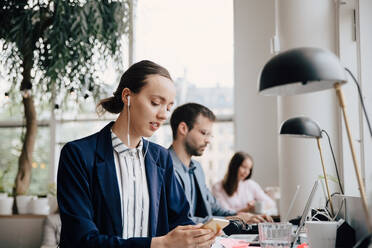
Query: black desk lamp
pixel 307 128
pixel 308 69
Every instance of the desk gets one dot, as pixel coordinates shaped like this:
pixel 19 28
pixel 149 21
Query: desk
pixel 251 238
pixel 23 230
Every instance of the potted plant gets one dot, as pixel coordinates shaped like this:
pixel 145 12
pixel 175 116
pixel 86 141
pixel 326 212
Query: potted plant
pixel 6 205
pixel 6 202
pixel 40 205
pixel 23 202
pixel 51 47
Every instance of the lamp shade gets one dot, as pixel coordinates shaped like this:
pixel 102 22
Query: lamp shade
pixel 301 70
pixel 301 126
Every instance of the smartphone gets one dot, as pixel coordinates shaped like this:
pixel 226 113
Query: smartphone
pixel 215 224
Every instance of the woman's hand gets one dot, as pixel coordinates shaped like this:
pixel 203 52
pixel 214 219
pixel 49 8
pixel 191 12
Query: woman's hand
pixel 185 236
pixel 249 218
pixel 249 207
pixel 257 218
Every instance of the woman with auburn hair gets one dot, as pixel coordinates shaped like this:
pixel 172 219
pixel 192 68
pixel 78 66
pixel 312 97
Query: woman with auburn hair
pixel 237 191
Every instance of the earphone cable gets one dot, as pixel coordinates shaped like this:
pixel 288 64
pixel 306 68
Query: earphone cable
pixel 147 148
pixel 128 126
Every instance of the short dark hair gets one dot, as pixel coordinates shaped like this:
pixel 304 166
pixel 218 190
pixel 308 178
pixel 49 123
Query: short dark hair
pixel 230 182
pixel 134 79
pixel 188 113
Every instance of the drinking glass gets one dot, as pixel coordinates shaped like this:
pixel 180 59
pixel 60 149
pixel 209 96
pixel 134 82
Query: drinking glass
pixel 275 235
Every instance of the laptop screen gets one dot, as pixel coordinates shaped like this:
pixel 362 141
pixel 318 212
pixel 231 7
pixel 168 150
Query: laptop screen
pixel 306 209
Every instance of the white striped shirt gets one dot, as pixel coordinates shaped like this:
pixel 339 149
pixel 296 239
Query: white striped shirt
pixel 131 175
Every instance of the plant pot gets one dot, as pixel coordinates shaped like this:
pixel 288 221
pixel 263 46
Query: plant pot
pixel 23 203
pixel 6 205
pixel 40 206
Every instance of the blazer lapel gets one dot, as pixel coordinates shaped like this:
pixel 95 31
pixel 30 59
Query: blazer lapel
pixel 154 175
pixel 107 177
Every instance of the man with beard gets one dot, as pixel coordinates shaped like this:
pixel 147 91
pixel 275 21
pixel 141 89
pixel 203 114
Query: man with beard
pixel 192 130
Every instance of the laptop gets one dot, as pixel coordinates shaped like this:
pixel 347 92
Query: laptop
pixel 306 211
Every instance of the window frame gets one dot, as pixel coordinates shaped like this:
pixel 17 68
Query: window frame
pixel 53 122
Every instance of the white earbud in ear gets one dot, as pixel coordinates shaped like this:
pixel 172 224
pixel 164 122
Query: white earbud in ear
pixel 128 98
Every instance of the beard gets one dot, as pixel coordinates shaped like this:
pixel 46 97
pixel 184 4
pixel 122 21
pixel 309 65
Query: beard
pixel 193 150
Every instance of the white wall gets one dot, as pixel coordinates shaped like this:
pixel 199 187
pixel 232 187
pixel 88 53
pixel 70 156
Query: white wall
pixel 307 23
pixel 255 116
pixel 288 161
pixel 328 24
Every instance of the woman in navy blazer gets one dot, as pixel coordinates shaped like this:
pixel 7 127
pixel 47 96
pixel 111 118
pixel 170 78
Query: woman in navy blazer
pixel 88 194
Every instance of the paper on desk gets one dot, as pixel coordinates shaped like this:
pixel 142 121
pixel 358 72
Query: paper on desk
pixel 233 243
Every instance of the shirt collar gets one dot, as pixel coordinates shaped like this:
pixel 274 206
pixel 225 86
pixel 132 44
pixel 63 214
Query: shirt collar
pixel 187 169
pixel 120 147
pixel 192 166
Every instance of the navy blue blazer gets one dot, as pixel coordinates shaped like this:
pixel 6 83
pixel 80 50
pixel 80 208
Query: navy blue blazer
pixel 89 199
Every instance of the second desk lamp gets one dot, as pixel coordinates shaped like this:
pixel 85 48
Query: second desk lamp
pixel 305 127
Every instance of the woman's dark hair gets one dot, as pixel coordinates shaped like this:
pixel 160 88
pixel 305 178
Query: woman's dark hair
pixel 230 182
pixel 134 79
pixel 188 113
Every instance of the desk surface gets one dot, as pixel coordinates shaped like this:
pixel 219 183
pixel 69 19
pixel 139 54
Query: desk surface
pixel 250 238
pixel 21 230
pixel 23 216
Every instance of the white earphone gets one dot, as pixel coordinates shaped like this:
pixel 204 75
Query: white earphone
pixel 128 136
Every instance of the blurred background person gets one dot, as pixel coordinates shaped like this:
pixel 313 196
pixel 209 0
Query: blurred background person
pixel 192 126
pixel 238 192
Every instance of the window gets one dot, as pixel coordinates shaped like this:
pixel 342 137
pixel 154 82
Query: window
pixel 365 8
pixel 355 53
pixel 197 49
pixel 200 62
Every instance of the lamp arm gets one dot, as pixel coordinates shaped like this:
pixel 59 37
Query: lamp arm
pixel 361 100
pixel 362 191
pixel 334 160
